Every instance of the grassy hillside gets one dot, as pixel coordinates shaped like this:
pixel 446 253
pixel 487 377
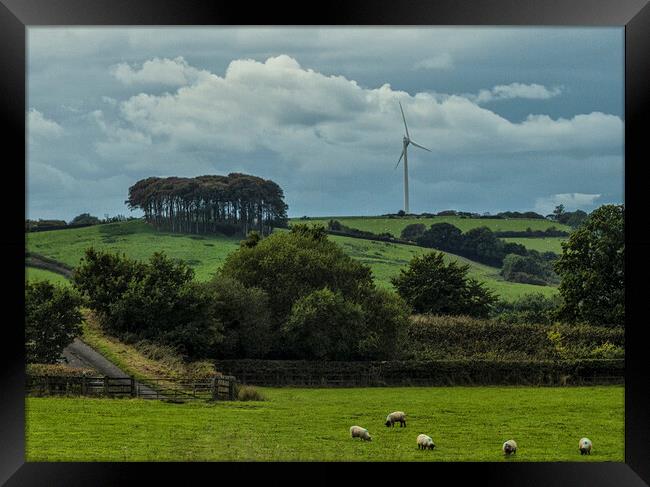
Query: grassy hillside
pixel 137 240
pixel 466 424
pixel 206 253
pixel 34 274
pixel 395 226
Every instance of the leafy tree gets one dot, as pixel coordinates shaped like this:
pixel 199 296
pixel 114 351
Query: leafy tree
pixel 533 308
pixel 429 285
pixel 324 325
pixel 52 320
pixel 591 268
pixel 558 212
pixel 413 231
pixel 245 317
pixel 482 245
pixel 442 236
pixel 85 219
pixel 290 265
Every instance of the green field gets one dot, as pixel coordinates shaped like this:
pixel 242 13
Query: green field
pixel 466 424
pixel 550 244
pixel 34 274
pixel 206 253
pixel 395 226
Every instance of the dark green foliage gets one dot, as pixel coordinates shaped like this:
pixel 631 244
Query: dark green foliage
pixel 429 285
pixel 413 231
pixel 482 245
pixel 514 248
pixel 210 204
pixel 529 269
pixel 156 301
pixel 244 316
pixel 447 337
pixel 517 214
pixel 84 219
pixel 534 308
pixel 323 304
pixel 52 320
pixel 441 236
pixel 324 325
pixel 530 233
pixel 592 269
pixel 290 265
pixel 573 219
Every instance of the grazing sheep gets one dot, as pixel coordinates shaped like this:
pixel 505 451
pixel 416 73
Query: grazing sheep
pixel 510 447
pixel 394 417
pixel 359 432
pixel 585 446
pixel 425 442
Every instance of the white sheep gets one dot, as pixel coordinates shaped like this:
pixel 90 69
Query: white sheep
pixel 585 446
pixel 425 442
pixel 394 417
pixel 359 432
pixel 510 447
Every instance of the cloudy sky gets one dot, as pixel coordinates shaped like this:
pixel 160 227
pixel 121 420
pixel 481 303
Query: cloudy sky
pixel 516 118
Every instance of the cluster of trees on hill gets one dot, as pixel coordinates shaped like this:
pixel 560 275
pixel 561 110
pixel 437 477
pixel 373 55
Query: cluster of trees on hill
pixel 237 203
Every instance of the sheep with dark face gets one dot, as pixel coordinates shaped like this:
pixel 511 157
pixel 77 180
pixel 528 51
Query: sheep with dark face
pixel 359 432
pixel 510 447
pixel 394 417
pixel 425 442
pixel 585 446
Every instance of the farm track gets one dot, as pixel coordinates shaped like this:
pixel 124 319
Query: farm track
pixel 80 354
pixel 40 262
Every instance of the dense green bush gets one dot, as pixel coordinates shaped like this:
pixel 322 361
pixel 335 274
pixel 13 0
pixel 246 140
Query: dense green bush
pixel 413 231
pixel 528 269
pixel 533 308
pixel 52 320
pixel 446 337
pixel 157 301
pixel 592 269
pixel 429 285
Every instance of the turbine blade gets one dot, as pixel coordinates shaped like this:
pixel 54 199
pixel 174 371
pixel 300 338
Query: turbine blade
pixel 418 145
pixel 404 118
pixel 400 158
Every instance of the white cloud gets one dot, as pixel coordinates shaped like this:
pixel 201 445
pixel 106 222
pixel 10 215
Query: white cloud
pixel 168 72
pixel 310 118
pixel 40 126
pixel 571 202
pixel 516 90
pixel 441 61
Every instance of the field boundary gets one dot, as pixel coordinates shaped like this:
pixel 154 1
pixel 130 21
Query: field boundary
pixel 301 373
pixel 218 388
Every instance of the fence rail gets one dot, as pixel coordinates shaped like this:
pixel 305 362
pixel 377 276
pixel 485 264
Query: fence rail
pixel 219 388
pixel 280 373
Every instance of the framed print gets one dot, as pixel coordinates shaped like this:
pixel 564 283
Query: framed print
pixel 261 238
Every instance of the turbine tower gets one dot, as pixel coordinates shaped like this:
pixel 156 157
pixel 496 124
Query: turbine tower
pixel 406 141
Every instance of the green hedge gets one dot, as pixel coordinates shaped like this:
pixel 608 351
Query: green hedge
pixel 413 372
pixel 454 337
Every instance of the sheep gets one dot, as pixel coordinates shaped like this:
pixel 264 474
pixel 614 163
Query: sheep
pixel 585 446
pixel 425 442
pixel 510 447
pixel 359 432
pixel 396 416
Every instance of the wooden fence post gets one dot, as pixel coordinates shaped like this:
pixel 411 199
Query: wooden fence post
pixel 84 386
pixel 231 389
pixel 106 386
pixel 133 393
pixel 214 388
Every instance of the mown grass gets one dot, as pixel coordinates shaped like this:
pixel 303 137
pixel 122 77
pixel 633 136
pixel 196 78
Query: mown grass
pixel 205 254
pixel 395 226
pixel 466 424
pixel 35 274
pixel 550 244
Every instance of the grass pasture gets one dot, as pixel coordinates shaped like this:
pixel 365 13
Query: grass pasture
pixel 394 226
pixel 35 274
pixel 466 424
pixel 549 244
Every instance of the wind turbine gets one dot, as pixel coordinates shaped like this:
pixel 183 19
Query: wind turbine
pixel 406 141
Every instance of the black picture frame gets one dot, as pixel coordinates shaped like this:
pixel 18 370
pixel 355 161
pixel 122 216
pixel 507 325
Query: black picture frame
pixel 634 15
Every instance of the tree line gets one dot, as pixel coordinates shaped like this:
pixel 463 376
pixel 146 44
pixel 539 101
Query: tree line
pixel 237 203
